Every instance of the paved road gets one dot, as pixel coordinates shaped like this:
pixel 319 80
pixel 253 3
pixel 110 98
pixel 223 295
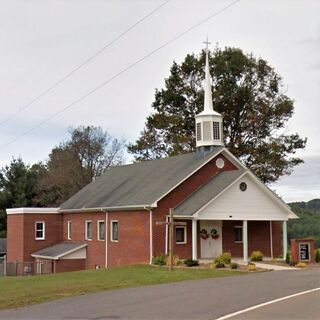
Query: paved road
pixel 200 299
pixel 296 308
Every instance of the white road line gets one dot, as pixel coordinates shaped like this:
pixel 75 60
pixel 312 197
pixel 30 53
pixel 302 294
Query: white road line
pixel 230 315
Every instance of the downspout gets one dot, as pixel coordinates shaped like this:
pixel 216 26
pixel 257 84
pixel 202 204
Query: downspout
pixel 151 237
pixel 106 238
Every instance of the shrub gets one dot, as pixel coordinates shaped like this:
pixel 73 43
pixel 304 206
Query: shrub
pixel 224 258
pixel 288 258
pixel 300 265
pixel 251 267
pixel 175 260
pixel 317 255
pixel 191 263
pixel 159 260
pixel 234 265
pixel 256 256
pixel 292 263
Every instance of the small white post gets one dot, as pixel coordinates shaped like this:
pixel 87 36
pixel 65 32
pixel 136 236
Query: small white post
pixel 194 239
pixel 245 240
pixel 284 239
pixel 151 236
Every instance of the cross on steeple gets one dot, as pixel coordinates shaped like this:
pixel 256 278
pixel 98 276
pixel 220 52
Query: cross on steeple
pixel 207 44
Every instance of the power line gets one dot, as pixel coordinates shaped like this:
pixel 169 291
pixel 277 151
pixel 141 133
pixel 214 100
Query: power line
pixel 118 74
pixel 54 85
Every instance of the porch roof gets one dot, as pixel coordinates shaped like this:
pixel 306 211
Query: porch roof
pixel 59 250
pixel 207 192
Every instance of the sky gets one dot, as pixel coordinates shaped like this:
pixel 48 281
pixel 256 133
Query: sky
pixel 42 41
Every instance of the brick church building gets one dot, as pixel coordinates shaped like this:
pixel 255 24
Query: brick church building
pixel 113 220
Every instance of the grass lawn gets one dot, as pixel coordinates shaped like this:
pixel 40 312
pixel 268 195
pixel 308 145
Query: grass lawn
pixel 21 291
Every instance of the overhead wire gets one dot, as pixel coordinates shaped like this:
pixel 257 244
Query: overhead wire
pixel 68 106
pixel 82 64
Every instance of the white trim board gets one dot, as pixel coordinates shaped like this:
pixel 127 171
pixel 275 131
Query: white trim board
pixel 33 211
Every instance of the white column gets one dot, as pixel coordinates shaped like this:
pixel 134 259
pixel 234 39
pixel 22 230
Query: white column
pixel 284 239
pixel 245 240
pixel 194 239
pixel 271 241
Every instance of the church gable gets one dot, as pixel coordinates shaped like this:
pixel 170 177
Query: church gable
pixel 245 199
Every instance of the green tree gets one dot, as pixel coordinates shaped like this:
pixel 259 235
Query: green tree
pixel 78 161
pixel 18 187
pixel 250 96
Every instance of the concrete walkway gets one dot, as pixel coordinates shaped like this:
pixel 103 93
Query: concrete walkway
pixel 267 266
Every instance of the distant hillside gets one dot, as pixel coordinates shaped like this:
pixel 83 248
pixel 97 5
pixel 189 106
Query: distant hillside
pixel 309 223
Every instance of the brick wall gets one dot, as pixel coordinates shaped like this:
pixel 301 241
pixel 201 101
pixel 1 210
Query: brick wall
pixel 133 245
pixel 179 194
pixel 21 234
pixel 258 238
pixel 65 265
pixel 95 248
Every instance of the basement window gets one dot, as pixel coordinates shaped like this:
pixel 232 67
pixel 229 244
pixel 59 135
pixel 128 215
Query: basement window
pixel 238 234
pixel 88 230
pixel 114 231
pixel 181 234
pixel 40 230
pixel 101 230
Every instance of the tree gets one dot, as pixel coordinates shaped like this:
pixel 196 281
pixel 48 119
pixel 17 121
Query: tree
pixel 78 161
pixel 250 96
pixel 18 185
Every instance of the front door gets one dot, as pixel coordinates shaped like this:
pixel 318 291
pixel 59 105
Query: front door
pixel 211 247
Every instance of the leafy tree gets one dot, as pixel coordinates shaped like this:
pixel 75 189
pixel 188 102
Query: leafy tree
pixel 78 161
pixel 18 185
pixel 250 96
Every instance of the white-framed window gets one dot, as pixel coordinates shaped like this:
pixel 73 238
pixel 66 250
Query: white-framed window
pixel 198 127
pixel 88 230
pixel 238 234
pixel 40 230
pixel 181 234
pixel 101 230
pixel 69 230
pixel 216 130
pixel 114 234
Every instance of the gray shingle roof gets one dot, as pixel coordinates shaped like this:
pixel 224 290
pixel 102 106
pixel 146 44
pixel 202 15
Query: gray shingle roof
pixel 139 184
pixel 3 245
pixel 207 192
pixel 60 249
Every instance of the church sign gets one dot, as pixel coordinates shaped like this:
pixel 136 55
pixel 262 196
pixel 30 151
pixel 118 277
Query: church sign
pixel 302 250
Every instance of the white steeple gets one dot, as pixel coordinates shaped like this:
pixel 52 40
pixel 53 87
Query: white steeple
pixel 209 129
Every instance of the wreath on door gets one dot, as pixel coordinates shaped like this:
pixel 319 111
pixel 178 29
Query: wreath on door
pixel 214 234
pixel 204 234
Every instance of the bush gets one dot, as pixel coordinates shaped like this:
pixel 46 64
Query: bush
pixel 159 260
pixel 288 258
pixel 191 263
pixel 300 265
pixel 256 256
pixel 317 255
pixel 251 267
pixel 234 265
pixel 292 263
pixel 224 258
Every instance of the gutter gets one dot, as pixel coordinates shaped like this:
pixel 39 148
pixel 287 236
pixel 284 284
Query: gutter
pixel 104 209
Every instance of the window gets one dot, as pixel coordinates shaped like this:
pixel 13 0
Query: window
pixel 40 230
pixel 181 235
pixel 88 230
pixel 114 231
pixel 101 230
pixel 216 130
pixel 69 230
pixel 238 233
pixel 198 131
